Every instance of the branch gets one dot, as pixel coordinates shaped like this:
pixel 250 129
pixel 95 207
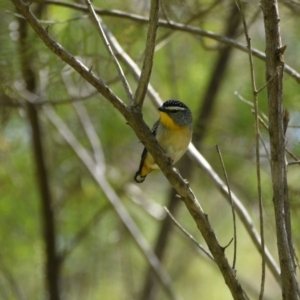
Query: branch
pixel 149 55
pixel 274 62
pixel 232 206
pixel 257 147
pixel 106 43
pixel 185 232
pixel 174 26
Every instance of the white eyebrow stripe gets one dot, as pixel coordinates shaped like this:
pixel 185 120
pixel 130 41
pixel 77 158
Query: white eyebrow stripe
pixel 174 108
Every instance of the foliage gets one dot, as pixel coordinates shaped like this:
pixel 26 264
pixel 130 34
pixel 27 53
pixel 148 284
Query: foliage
pixel 100 259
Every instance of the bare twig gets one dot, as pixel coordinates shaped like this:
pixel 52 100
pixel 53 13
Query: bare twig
pixel 257 146
pixel 232 206
pixel 174 26
pixel 188 234
pixel 274 62
pixel 149 55
pixel 107 44
pixel 133 67
pixel 294 163
pixel 92 135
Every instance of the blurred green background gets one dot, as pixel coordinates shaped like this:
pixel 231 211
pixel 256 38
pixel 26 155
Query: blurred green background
pixel 104 262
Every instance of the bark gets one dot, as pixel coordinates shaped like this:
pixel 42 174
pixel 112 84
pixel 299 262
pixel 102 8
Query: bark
pixel 274 70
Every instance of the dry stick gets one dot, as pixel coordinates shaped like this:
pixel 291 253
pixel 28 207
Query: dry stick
pixel 87 126
pixel 174 26
pixel 232 207
pixel 149 55
pixel 133 67
pixel 107 44
pixel 188 234
pixel 294 163
pixel 100 179
pixel 275 60
pixel 204 165
pixel 257 144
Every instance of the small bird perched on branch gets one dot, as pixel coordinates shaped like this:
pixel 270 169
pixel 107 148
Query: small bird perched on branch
pixel 173 132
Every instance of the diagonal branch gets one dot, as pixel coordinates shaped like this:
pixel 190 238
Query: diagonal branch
pixel 107 44
pixel 92 135
pixel 188 235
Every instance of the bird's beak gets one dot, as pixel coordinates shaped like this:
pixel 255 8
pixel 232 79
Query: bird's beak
pixel 161 108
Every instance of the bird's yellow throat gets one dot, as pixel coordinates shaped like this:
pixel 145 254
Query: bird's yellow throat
pixel 168 122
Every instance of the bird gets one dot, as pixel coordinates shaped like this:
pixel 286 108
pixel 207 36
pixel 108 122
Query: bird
pixel 173 132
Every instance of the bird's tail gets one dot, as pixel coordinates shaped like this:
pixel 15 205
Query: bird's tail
pixel 138 177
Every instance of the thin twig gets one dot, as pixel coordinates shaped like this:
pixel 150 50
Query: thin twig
pixel 232 207
pixel 294 163
pixel 174 26
pixel 132 66
pixel 188 234
pixel 269 80
pixel 149 54
pixel 257 144
pixel 92 135
pixel 107 44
